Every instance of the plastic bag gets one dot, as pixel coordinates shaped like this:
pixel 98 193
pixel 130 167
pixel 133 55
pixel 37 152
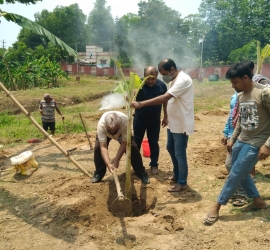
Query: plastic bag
pixel 24 163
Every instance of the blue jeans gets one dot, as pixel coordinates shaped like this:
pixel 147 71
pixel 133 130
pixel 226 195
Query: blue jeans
pixel 177 146
pixel 239 191
pixel 244 158
pixel 152 129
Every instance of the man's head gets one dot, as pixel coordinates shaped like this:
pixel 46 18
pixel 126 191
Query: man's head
pixel 167 68
pixel 112 123
pixel 251 66
pixel 47 97
pixel 153 73
pixel 240 76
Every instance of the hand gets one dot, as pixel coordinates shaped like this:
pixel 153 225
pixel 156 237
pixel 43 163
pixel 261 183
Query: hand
pixel 264 152
pixel 229 146
pixel 63 118
pixel 41 112
pixel 111 168
pixel 136 105
pixel 164 122
pixel 115 162
pixel 224 141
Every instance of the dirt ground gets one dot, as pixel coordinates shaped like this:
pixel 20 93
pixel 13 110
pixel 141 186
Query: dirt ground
pixel 58 208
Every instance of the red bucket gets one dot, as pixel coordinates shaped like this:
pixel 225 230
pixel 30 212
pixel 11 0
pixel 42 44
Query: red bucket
pixel 146 148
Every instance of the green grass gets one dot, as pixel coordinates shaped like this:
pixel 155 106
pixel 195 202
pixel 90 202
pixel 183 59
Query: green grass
pixel 212 95
pixel 85 97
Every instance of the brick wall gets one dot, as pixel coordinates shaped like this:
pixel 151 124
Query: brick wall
pixel 193 72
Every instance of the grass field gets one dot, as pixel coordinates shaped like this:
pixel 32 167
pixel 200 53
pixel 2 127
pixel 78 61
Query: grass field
pixel 84 97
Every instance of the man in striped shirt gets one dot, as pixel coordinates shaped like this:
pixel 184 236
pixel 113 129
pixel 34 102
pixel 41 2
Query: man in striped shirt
pixel 47 109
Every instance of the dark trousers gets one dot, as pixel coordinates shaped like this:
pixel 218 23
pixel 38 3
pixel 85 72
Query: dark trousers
pixel 136 159
pixel 152 129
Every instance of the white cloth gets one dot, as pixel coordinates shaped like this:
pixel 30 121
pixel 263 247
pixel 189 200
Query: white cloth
pixel 180 107
pixel 103 133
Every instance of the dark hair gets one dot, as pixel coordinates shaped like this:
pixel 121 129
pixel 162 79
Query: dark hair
pixel 239 70
pixel 167 64
pixel 250 64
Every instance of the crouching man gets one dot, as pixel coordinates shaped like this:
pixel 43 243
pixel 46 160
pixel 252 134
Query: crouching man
pixel 113 125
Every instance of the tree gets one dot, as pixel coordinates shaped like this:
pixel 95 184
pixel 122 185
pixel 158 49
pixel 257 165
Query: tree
pixel 28 24
pixel 196 33
pixel 19 52
pixel 67 23
pixel 157 32
pixel 101 25
pixel 247 52
pixel 232 24
pixel 120 40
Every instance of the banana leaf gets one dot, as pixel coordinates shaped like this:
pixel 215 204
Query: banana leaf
pixel 123 86
pixel 28 24
pixel 137 81
pixel 262 55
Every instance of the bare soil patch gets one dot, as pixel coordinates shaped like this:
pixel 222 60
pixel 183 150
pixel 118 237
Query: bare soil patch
pixel 58 208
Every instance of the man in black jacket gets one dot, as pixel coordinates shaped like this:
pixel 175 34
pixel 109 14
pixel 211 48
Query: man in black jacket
pixel 147 119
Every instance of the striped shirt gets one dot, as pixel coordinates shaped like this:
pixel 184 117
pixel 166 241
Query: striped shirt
pixel 259 78
pixel 48 110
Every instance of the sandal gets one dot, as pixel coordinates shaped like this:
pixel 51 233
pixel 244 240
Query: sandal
pixel 239 202
pixel 170 178
pixel 210 219
pixel 177 188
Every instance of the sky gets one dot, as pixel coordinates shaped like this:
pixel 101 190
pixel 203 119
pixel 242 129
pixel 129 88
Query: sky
pixel 9 30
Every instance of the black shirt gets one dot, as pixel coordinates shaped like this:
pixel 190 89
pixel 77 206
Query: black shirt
pixel 146 93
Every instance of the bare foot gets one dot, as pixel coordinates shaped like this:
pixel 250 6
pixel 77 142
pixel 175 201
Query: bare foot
pixel 259 203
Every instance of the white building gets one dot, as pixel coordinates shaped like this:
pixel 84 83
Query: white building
pixel 94 55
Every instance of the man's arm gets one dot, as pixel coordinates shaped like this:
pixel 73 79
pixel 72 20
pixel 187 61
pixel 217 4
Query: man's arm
pixel 152 102
pixel 105 155
pixel 58 111
pixel 120 152
pixel 41 109
pixel 266 104
pixel 234 137
pixel 165 115
pixel 225 132
pixel 264 151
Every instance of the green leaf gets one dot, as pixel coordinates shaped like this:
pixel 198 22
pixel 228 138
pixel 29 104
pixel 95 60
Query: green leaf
pixel 137 81
pixel 28 24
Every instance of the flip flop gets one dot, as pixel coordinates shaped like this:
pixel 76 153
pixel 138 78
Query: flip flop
pixel 177 188
pixel 239 202
pixel 207 218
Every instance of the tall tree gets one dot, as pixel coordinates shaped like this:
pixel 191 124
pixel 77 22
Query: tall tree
pixel 195 36
pixel 67 23
pixel 121 44
pixel 101 25
pixel 232 24
pixel 157 32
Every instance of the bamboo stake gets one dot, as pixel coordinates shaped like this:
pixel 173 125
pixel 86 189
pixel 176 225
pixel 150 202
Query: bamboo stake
pixel 128 191
pixel 91 147
pixel 129 89
pixel 120 195
pixel 28 115
pixel 258 57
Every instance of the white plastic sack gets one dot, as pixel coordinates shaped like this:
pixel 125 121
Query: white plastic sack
pixel 24 163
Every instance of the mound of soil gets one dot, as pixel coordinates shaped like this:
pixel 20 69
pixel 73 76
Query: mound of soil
pixel 216 113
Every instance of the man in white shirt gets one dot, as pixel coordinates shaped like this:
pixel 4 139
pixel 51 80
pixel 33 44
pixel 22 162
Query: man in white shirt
pixel 180 109
pixel 113 125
